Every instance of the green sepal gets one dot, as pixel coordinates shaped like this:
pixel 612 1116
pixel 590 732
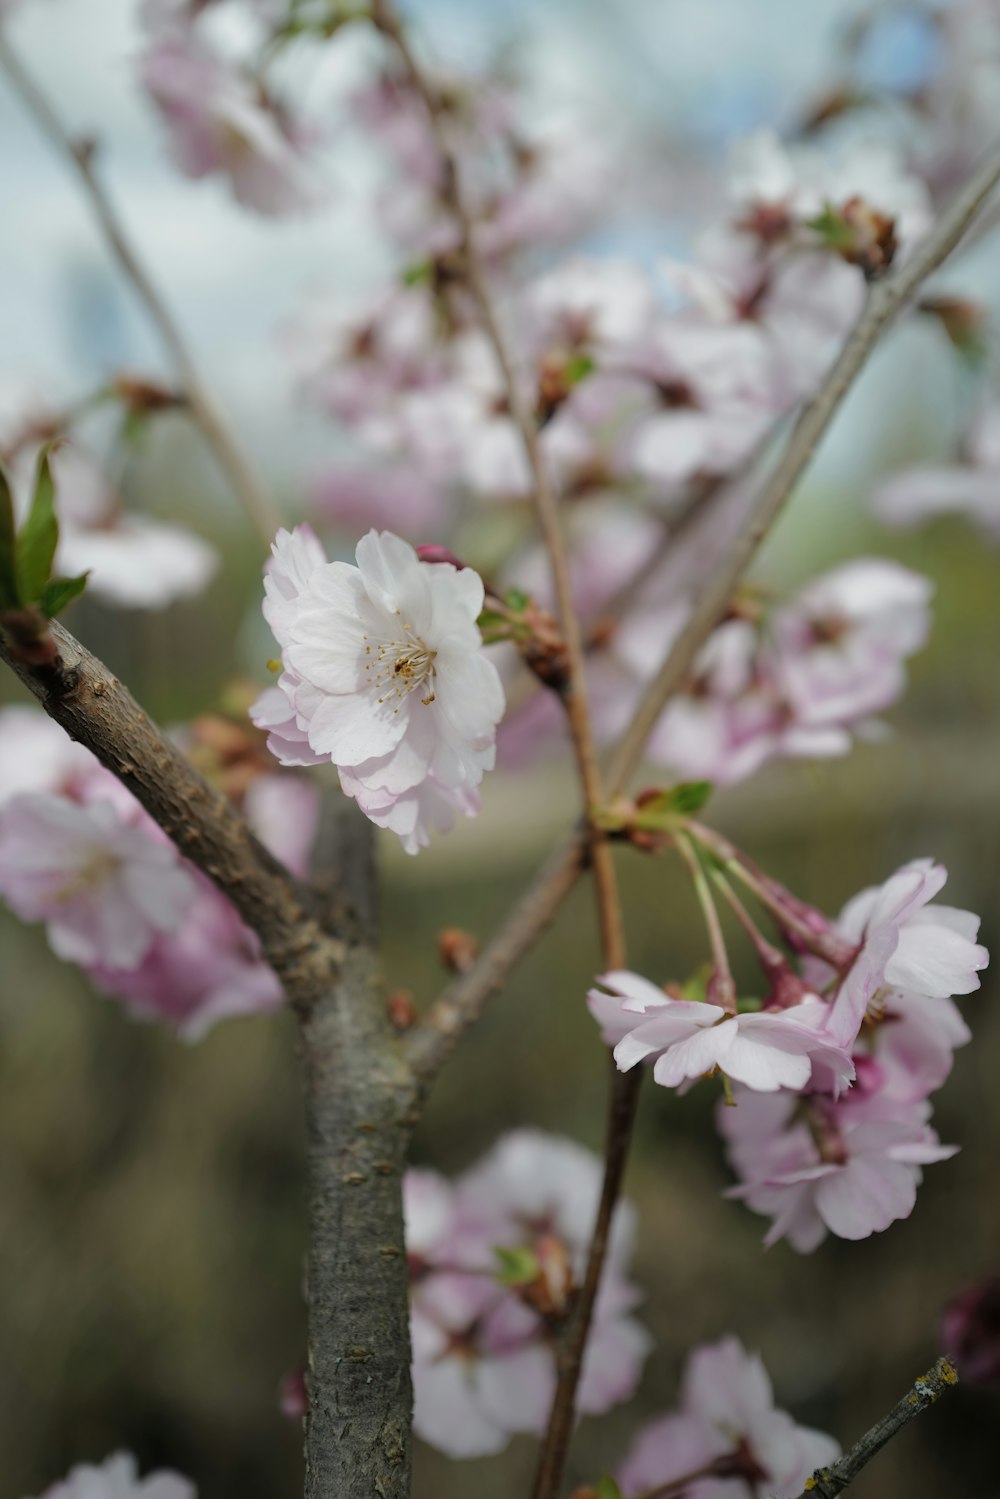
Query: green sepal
pixel 518 1267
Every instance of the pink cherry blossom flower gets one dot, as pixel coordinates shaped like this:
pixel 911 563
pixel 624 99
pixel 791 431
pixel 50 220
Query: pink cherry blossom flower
pixel 838 647
pixel 689 1039
pixel 481 1371
pixel 385 676
pixel 484 1361
pixel 727 1430
pixel 849 1168
pixel 104 889
pixel 208 970
pixel 904 942
pixel 118 1478
pixel 219 122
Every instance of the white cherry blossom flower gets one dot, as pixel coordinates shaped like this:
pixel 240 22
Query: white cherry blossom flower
pixel 385 677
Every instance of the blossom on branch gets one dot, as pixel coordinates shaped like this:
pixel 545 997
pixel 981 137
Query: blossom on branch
pixel 104 889
pixel 495 1262
pixel 384 675
pixel 727 1440
pixel 689 1039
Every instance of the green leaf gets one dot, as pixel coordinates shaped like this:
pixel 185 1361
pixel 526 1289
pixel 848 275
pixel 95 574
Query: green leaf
pixel 517 599
pixel 606 1488
pixel 60 592
pixel 9 594
pixel 518 1267
pixel 39 536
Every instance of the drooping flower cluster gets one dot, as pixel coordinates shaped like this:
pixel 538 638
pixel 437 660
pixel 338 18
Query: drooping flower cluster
pixel 78 852
pixel 496 1258
pixel 118 1478
pixel 220 116
pixel 384 675
pixel 727 1440
pixel 871 1001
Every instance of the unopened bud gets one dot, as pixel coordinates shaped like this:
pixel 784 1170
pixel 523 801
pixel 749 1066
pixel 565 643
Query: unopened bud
pixel 402 1010
pixel 551 1292
pixel 457 949
pixel 871 237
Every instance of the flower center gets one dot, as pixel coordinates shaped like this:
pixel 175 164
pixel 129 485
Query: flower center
pixel 395 668
pixel 100 867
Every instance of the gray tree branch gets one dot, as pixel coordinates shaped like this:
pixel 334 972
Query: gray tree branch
pixel 827 1483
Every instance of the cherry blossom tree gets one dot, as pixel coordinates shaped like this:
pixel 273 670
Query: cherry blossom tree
pixel 641 435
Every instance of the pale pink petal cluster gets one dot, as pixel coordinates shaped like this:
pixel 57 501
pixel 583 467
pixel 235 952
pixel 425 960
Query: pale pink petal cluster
pixel 78 852
pixel 814 1161
pixel 384 675
pixel 221 120
pixel 815 1167
pixel 118 1478
pixel 104 889
pixel 484 1352
pixel 728 1429
pixel 688 1039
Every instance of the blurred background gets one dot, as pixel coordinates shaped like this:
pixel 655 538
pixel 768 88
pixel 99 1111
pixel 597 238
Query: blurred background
pixel 151 1192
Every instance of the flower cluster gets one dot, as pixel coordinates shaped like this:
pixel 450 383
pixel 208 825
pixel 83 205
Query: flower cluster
pixel 79 853
pixel 495 1261
pixel 384 675
pixel 870 1002
pixel 727 1440
pixel 220 115
pixel 118 1478
pixel 792 678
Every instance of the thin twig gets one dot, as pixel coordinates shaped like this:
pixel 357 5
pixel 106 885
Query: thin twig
pixel 882 306
pixel 827 1483
pixel 80 154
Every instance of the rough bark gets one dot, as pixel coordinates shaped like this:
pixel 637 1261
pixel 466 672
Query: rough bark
pixel 360 1113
